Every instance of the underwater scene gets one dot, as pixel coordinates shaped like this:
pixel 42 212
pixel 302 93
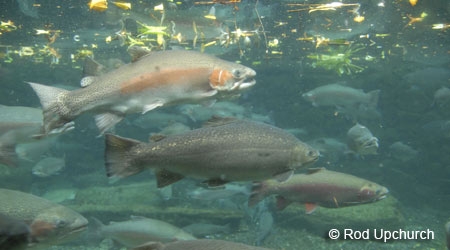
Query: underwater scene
pixel 224 124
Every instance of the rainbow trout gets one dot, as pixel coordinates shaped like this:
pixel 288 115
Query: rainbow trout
pixel 320 187
pixel 224 150
pixel 152 80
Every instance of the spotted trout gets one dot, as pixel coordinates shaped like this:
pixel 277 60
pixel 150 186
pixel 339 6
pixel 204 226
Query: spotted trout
pixel 152 80
pixel 223 150
pixel 319 187
pixel 49 223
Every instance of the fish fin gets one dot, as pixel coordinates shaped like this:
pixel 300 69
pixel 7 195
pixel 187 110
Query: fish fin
pixel 118 162
pixel 216 182
pixel 282 177
pixel 373 98
pixel 86 81
pixel 152 106
pixel 8 155
pixel 165 178
pixel 156 137
pixel 150 246
pixel 137 52
pixel 209 93
pixel 257 194
pixel 56 115
pixel 282 202
pixel 106 121
pixel 310 207
pixel 92 67
pixel 216 121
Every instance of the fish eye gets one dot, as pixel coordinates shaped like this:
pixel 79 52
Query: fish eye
pixel 311 153
pixel 236 73
pixel 61 223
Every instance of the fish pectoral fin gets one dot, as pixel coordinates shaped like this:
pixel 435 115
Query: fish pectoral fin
pixel 165 178
pixel 282 177
pixel 216 182
pixel 106 121
pixel 310 207
pixel 209 93
pixel 152 106
pixel 282 203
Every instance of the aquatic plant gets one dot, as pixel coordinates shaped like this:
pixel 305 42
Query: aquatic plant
pixel 338 59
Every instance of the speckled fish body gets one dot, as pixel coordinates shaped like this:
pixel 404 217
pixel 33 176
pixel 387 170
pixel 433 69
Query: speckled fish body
pixel 50 223
pixel 198 245
pixel 154 80
pixel 238 150
pixel 320 187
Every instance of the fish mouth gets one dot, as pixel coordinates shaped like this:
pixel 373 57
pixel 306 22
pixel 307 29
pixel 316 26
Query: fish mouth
pixel 244 83
pixel 382 196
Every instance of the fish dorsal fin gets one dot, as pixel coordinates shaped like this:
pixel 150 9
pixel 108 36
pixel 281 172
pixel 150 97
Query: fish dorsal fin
pixel 156 137
pixel 216 121
pixel 284 176
pixel 137 52
pixel 314 170
pixel 92 67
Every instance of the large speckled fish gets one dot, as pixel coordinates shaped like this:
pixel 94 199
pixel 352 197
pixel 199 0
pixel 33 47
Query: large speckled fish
pixel 50 223
pixel 198 245
pixel 320 187
pixel 153 80
pixel 224 150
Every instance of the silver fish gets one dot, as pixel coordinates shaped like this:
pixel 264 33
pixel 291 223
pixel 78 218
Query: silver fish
pixel 401 151
pixel 152 80
pixel 140 230
pixel 49 166
pixel 226 150
pixel 50 223
pixel 442 96
pixel 341 96
pixel 361 140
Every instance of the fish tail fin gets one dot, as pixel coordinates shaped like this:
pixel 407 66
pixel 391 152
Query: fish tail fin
pixel 96 227
pixel 118 160
pixel 258 193
pixel 56 119
pixel 8 155
pixel 374 95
